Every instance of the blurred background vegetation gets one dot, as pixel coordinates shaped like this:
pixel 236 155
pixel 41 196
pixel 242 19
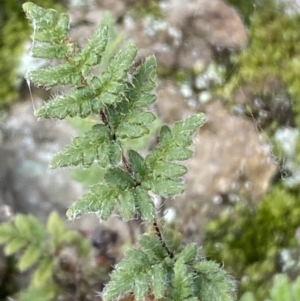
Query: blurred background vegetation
pixel 254 240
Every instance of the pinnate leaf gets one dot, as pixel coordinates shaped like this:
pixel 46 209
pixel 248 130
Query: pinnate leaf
pixel 7 231
pixel 92 51
pixel 189 253
pixel 43 272
pixel 85 149
pixel 55 226
pixel 158 276
pixel 118 178
pixel 169 170
pixel 153 247
pixel 15 245
pixel 166 188
pixel 145 204
pixel 137 163
pixel 182 282
pixel 31 256
pixel 127 204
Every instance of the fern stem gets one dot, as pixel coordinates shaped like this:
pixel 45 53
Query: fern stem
pixel 158 234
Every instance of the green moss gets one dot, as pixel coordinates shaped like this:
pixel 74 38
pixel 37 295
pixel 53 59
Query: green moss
pixel 248 239
pixel 148 7
pixel 273 55
pixel 245 8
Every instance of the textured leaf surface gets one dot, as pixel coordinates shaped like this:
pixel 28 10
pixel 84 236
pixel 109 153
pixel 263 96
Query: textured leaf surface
pixel 52 76
pixel 166 188
pixel 127 204
pixel 94 145
pixel 49 25
pixel 132 119
pixel 182 282
pixel 137 164
pixel 214 282
pixel 79 102
pixel 56 51
pixel 173 146
pixel 92 51
pixel 189 253
pixel 169 170
pixel 153 247
pixel 158 277
pixel 136 262
pixel 145 204
pixel 101 201
pixel 118 178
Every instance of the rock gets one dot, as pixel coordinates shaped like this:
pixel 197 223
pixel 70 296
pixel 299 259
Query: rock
pixel 29 186
pixel 236 157
pixel 214 20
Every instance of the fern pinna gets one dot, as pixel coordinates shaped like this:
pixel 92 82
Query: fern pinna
pixel 119 94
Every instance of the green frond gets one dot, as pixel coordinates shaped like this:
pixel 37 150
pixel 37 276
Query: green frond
pixel 213 282
pixel 118 67
pixel 151 245
pixel 118 188
pixel 45 292
pixel 15 245
pixel 108 85
pixel 43 272
pixel 139 264
pixel 17 235
pixel 56 51
pixel 29 227
pixel 48 24
pixel 169 170
pixel 138 166
pixel 91 53
pixel 185 129
pixel 145 204
pixel 173 239
pixel 85 150
pixel 119 179
pixel 101 201
pixel 165 187
pixel 163 177
pixel 182 282
pixel 135 125
pixel 189 254
pixel 127 204
pixel 30 257
pixel 7 231
pixel 132 119
pixel 158 280
pixel 53 76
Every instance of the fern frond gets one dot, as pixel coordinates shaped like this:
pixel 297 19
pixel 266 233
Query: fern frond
pixel 213 282
pixel 182 283
pixel 144 264
pixel 163 177
pixel 49 25
pixel 94 145
pixel 110 87
pixel 132 119
pixel 118 188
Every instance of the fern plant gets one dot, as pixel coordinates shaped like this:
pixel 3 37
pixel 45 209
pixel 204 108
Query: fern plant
pixel 159 267
pixel 43 248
